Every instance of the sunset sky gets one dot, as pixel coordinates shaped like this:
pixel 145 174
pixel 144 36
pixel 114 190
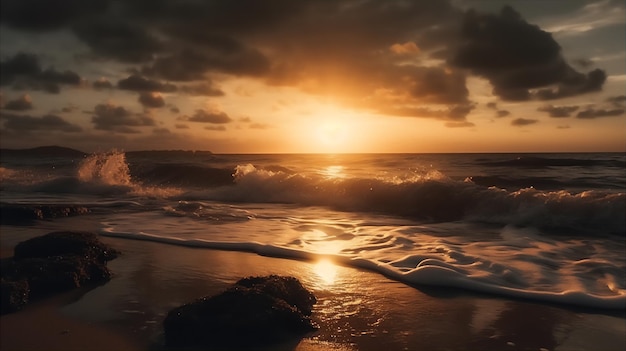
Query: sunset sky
pixel 285 76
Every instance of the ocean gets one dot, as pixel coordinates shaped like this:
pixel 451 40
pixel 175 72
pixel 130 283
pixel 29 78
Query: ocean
pixel 543 227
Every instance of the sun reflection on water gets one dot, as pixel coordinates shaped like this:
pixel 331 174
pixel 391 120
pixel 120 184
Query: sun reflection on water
pixel 326 270
pixel 333 172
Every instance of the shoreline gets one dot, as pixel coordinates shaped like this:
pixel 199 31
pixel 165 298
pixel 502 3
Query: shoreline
pixel 357 309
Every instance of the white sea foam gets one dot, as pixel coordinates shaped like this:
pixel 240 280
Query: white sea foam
pixel 514 262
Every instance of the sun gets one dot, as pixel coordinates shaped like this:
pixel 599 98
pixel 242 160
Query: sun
pixel 331 134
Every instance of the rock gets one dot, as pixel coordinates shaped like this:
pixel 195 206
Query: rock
pixel 13 295
pixel 27 215
pixel 255 312
pixel 55 262
pixel 65 243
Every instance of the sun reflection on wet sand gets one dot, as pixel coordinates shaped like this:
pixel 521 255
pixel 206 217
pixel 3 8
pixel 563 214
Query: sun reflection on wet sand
pixel 326 270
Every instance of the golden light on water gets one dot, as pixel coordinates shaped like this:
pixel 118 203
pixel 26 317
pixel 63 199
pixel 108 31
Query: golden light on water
pixel 333 171
pixel 326 270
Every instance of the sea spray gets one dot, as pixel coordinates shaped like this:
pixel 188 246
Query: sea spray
pixel 106 168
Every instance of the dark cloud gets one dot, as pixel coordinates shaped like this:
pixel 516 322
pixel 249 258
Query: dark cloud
pixel 453 113
pixel 23 71
pixel 102 83
pixel 47 14
pixel 591 113
pixel 151 99
pixel 407 58
pixel 22 64
pixel 174 109
pixel 583 63
pixel 492 105
pixel 139 83
pixel 519 59
pixel 558 111
pixel 576 83
pixel 181 126
pixel 502 113
pixel 120 40
pixel 520 122
pixel 563 127
pixel 161 131
pixel 437 85
pixel 617 100
pixel 217 54
pixel 201 89
pixel 204 116
pixel 118 119
pixel 50 75
pixel 22 103
pixel 25 124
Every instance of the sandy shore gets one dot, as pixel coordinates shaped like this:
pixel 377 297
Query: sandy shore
pixel 357 310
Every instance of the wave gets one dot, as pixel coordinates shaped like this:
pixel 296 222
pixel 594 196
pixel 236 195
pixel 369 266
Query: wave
pixel 182 175
pixel 544 162
pixel 102 174
pixel 430 197
pixel 416 270
pixel 427 195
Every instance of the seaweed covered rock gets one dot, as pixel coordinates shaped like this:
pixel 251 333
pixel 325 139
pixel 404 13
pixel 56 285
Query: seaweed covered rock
pixel 65 243
pixel 13 295
pixel 26 215
pixel 254 312
pixel 55 262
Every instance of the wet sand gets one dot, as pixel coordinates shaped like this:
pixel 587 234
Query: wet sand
pixel 356 310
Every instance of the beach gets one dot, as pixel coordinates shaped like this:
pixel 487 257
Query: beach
pixel 356 309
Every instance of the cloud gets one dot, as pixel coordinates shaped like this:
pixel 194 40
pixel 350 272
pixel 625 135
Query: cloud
pixel 259 126
pixel 151 99
pixel 118 39
pixel 102 83
pixel 520 122
pixel 203 116
pixel 420 53
pixel 617 100
pixel 502 113
pixel 566 126
pixel 201 89
pixel 118 119
pixel 403 49
pixel 558 111
pixel 22 103
pixel 139 83
pixel 519 59
pixel 49 122
pixel 210 53
pixel 464 124
pixel 41 15
pixel 23 71
pixel 216 128
pixel 591 113
pixel 181 126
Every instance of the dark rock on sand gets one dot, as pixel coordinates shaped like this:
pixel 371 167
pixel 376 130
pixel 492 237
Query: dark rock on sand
pixel 255 312
pixel 66 243
pixel 23 214
pixel 53 263
pixel 13 295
